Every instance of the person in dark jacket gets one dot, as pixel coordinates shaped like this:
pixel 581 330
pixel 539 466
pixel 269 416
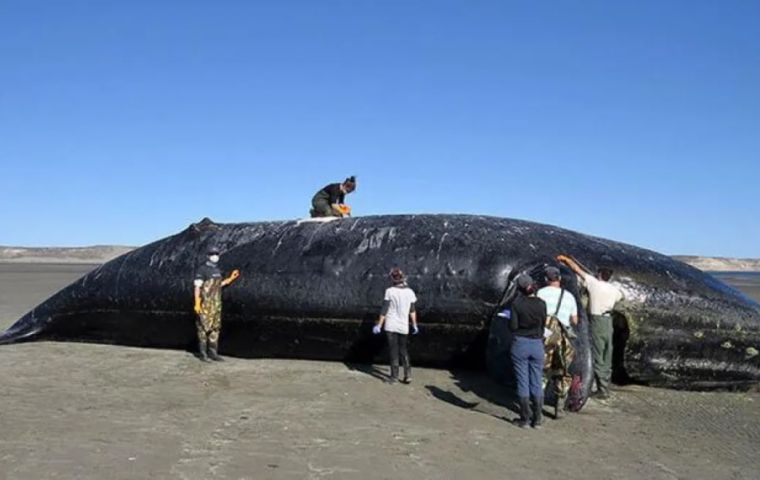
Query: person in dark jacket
pixel 526 321
pixel 330 201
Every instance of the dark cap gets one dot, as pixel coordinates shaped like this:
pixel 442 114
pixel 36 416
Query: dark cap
pixel 552 274
pixel 212 250
pixel 525 281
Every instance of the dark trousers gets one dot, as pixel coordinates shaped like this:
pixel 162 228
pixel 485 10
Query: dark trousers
pixel 528 361
pixel 320 207
pixel 397 348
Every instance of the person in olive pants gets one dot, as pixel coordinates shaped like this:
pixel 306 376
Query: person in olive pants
pixel 603 296
pixel 601 347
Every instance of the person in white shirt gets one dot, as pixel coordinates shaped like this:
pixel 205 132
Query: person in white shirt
pixel 398 309
pixel 567 313
pixel 602 297
pixel 560 303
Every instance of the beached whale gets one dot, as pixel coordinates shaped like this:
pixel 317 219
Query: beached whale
pixel 312 289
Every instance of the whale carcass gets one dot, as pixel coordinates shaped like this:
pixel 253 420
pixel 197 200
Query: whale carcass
pixel 312 289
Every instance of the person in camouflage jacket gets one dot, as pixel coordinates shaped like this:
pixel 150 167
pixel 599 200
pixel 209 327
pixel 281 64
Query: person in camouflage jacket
pixel 208 304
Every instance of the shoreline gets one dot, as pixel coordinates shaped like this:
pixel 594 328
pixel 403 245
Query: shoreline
pixel 85 410
pixel 98 254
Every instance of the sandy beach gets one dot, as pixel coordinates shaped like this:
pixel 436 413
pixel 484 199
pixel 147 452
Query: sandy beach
pixel 746 282
pixel 98 411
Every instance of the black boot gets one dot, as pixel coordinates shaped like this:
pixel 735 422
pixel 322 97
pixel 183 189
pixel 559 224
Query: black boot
pixel 394 374
pixel 525 413
pixel 407 375
pixel 538 412
pixel 202 351
pixel 212 353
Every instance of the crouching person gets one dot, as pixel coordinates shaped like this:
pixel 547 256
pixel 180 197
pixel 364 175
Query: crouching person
pixel 329 202
pixel 527 317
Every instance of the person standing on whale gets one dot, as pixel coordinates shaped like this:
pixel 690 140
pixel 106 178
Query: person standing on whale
pixel 208 304
pixel 329 201
pixel 602 297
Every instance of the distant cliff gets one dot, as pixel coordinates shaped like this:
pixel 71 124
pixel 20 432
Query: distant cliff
pixel 720 264
pixel 96 254
pixel 104 253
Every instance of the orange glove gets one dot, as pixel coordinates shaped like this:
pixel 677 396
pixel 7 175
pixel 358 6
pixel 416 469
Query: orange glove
pixel 198 306
pixel 344 209
pixel 563 258
pixel 235 274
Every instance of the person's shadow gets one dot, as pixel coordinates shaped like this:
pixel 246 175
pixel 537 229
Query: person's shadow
pixel 370 370
pixel 480 385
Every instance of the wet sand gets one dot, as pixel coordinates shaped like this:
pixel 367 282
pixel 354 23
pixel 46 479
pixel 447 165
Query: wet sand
pixel 97 411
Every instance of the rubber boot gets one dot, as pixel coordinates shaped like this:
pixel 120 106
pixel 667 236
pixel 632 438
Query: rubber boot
pixel 538 412
pixel 601 394
pixel 407 375
pixel 394 374
pixel 202 351
pixel 559 407
pixel 525 413
pixel 213 354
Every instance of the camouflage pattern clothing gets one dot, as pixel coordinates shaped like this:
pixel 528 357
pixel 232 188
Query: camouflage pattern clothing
pixel 209 322
pixel 558 355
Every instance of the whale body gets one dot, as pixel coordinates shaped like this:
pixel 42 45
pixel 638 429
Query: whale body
pixel 313 289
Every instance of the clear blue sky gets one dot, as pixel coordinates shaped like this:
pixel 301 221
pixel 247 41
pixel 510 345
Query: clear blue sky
pixel 124 121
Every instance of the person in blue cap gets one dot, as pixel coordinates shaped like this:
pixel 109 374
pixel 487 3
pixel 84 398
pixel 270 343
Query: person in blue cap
pixel 563 316
pixel 208 283
pixel 527 317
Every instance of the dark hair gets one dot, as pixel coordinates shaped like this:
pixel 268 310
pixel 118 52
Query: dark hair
pixel 350 182
pixel 605 273
pixel 397 276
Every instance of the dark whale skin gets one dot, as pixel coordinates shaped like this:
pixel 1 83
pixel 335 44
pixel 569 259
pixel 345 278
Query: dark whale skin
pixel 312 290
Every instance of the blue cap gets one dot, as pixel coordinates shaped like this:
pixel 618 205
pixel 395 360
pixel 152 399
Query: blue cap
pixel 525 281
pixel 552 274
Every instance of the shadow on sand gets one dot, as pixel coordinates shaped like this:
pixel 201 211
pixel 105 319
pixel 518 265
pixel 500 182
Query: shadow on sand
pixel 370 370
pixel 496 396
